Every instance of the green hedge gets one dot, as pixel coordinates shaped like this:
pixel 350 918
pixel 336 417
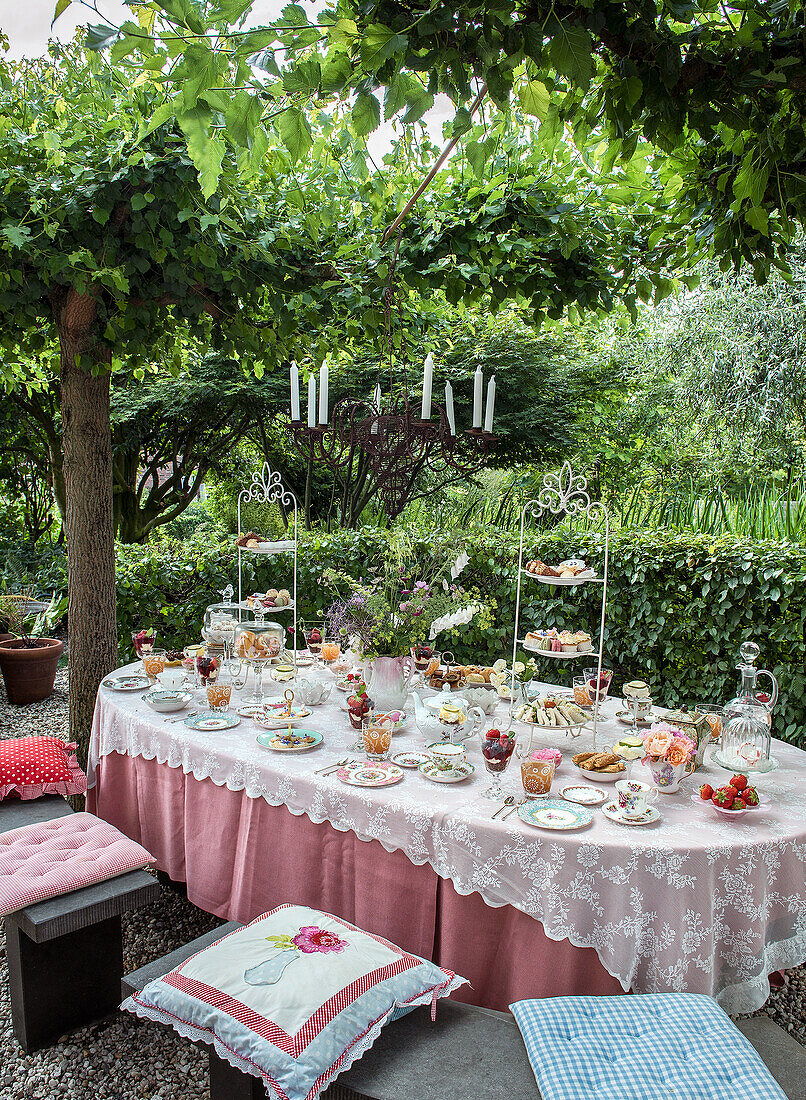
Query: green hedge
pixel 679 606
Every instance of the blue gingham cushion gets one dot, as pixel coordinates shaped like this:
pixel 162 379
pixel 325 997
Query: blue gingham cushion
pixel 660 1046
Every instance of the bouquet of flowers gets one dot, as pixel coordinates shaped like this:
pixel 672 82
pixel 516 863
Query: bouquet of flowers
pixel 665 742
pixel 399 605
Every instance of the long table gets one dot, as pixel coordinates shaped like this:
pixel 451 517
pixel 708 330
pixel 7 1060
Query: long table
pixel 696 902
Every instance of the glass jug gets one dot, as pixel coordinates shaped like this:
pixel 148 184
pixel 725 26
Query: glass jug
pixel 747 719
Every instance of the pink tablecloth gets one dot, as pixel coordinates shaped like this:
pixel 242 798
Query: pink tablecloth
pixel 240 856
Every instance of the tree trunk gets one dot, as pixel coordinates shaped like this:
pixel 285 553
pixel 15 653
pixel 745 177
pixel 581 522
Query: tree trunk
pixel 90 533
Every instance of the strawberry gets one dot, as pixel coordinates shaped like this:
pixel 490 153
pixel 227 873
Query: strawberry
pixel 706 792
pixel 724 797
pixel 732 791
pixel 750 796
pixel 739 782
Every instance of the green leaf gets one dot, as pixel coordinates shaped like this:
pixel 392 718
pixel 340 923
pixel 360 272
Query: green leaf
pixel 758 218
pixel 206 151
pixel 461 122
pixel 99 36
pixel 295 132
pixel 571 52
pixel 61 6
pixel 477 154
pixel 419 102
pixel 379 44
pixel 305 76
pixel 534 98
pixel 18 235
pixel 366 114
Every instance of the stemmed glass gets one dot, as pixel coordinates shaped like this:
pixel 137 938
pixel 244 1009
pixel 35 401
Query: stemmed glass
pixel 497 748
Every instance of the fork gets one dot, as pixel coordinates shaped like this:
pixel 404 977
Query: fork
pixel 190 714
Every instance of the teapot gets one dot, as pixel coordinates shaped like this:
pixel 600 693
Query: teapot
pixel 451 719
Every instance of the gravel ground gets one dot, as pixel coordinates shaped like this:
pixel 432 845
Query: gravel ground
pixel 124 1058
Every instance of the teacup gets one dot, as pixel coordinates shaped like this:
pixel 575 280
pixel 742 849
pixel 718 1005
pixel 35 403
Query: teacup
pixel 633 797
pixel 172 678
pixel 447 757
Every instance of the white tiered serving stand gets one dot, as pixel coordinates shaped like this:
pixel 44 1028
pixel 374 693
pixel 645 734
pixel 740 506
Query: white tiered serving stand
pixel 266 487
pixel 564 493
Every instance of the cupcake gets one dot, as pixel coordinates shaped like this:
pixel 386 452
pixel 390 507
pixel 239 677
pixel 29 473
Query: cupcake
pixel 568 642
pixel 583 640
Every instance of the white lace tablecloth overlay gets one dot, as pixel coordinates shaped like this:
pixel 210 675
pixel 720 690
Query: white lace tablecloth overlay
pixel 697 902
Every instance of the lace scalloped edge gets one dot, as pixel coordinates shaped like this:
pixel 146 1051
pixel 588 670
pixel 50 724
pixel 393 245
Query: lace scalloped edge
pixel 358 1050
pixel 729 998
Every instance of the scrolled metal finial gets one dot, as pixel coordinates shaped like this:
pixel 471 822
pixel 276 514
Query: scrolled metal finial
pixel 266 487
pixel 564 492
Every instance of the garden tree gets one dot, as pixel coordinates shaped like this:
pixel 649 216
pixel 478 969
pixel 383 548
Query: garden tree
pixel 705 95
pixel 25 474
pixel 108 241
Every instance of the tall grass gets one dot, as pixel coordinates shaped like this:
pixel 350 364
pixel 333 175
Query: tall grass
pixel 760 512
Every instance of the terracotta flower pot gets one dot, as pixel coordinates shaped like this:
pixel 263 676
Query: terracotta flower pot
pixel 29 673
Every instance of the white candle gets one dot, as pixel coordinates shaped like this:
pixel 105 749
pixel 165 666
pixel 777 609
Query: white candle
pixel 294 392
pixel 312 400
pixel 376 402
pixel 478 384
pixel 428 382
pixel 323 394
pixel 449 407
pixel 488 413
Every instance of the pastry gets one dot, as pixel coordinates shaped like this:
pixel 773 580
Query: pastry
pixel 487 674
pixel 540 569
pixel 174 658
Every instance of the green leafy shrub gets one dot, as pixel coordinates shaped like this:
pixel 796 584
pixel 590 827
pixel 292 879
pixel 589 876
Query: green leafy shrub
pixel 679 606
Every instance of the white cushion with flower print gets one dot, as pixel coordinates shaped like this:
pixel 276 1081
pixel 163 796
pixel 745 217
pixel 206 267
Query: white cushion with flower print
pixel 295 997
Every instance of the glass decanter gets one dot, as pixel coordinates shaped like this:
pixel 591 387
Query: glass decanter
pixel 747 719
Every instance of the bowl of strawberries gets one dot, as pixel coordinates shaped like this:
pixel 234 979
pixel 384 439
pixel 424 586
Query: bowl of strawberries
pixel 732 800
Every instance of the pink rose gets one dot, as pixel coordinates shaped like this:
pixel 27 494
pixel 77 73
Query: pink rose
pixel 658 743
pixel 311 938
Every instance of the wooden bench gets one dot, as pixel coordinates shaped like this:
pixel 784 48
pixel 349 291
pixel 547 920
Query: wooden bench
pixel 65 955
pixel 467 1052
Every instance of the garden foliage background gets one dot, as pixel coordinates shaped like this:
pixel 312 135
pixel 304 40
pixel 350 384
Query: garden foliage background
pixel 679 605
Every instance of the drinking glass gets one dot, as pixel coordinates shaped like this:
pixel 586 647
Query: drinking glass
pixel 497 752
pixel 219 693
pixel 376 737
pixel 713 716
pixel 154 664
pixel 331 651
pixel 581 694
pixel 639 709
pixel 207 668
pixel 537 776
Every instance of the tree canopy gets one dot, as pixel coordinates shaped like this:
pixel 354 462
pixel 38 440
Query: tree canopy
pixel 702 101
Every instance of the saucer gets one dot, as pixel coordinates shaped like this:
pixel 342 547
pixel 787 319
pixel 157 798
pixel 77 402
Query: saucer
pixel 411 759
pixel 366 773
pixel 625 717
pixel 455 775
pixel 555 814
pixel 650 815
pixel 583 795
pixel 213 722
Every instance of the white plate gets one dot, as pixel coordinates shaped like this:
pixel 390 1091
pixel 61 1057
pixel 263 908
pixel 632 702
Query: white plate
pixel 248 710
pixel 265 741
pixel 167 702
pixel 411 759
pixel 210 722
pixel 584 795
pixel 456 775
pixel 564 581
pixel 650 815
pixel 554 814
pixel 601 777
pixel 366 773
pixel 127 683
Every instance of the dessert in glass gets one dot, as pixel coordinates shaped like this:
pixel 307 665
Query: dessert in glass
pixel 207 668
pixel 497 749
pixel 144 640
pixel 598 683
pixel 154 664
pixel 314 634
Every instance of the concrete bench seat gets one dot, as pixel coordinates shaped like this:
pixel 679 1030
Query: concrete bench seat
pixel 65 955
pixel 468 1052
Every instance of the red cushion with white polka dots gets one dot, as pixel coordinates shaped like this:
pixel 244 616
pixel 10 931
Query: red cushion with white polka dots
pixel 33 766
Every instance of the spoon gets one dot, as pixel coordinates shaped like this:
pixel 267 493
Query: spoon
pixel 510 798
pixel 512 810
pixel 190 714
pixel 332 767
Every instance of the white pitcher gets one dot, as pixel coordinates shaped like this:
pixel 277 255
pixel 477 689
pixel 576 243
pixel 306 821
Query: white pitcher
pixel 387 680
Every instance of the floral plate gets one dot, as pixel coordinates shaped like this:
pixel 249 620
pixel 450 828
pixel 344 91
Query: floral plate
pixel 272 716
pixel 366 773
pixel 583 795
pixel 279 742
pixel 455 775
pixel 213 722
pixel 411 759
pixel 650 815
pixel 127 683
pixel 553 813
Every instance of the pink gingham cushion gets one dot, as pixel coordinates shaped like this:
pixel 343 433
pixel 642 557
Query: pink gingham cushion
pixel 54 857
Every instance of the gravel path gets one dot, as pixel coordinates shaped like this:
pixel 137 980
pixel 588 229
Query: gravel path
pixel 123 1058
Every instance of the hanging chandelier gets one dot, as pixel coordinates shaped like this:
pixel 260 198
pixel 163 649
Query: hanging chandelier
pixel 393 438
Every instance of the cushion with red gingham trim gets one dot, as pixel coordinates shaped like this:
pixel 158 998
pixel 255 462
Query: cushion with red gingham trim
pixel 33 766
pixel 295 997
pixel 51 858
